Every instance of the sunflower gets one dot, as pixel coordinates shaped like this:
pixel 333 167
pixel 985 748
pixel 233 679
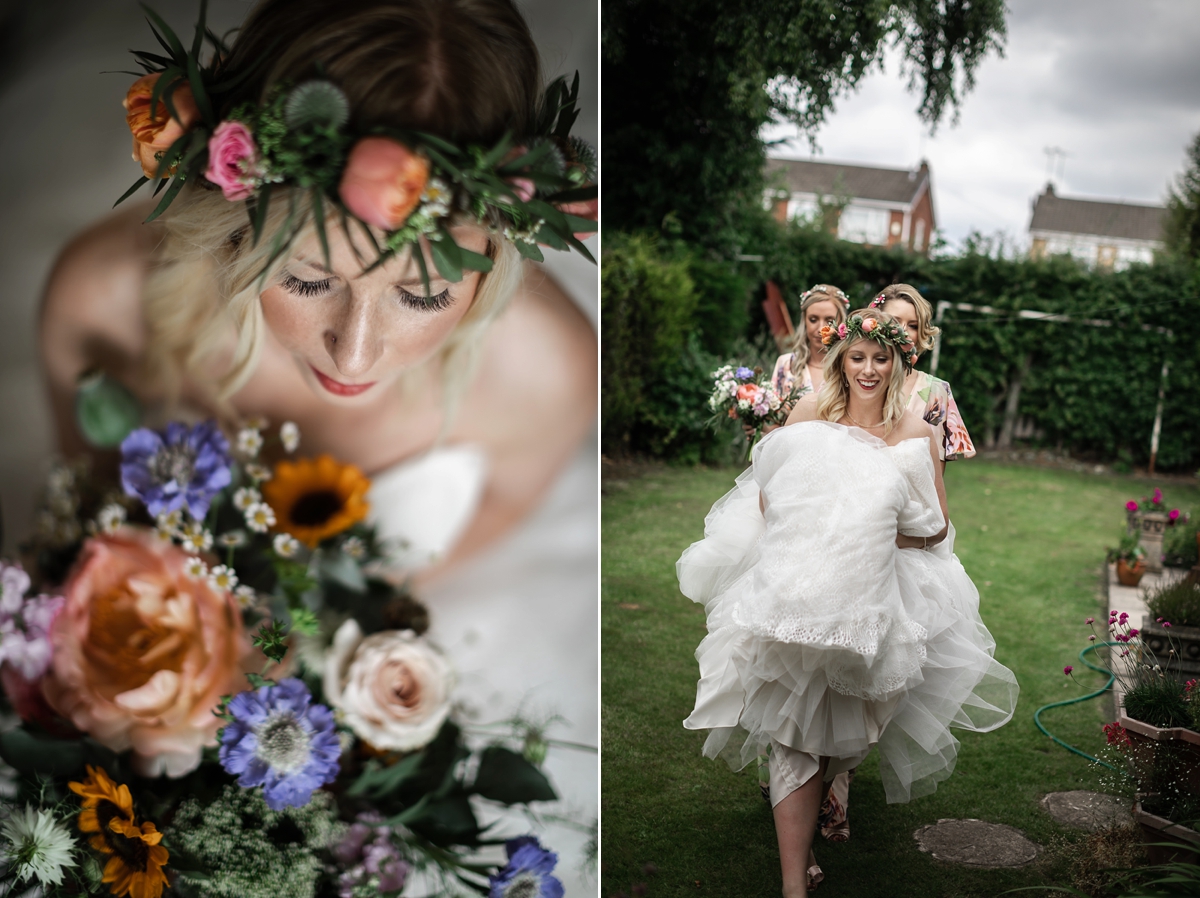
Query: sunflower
pixel 136 859
pixel 315 498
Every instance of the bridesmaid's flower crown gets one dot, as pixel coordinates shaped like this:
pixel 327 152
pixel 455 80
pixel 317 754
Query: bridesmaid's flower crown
pixel 869 327
pixel 406 184
pixel 826 290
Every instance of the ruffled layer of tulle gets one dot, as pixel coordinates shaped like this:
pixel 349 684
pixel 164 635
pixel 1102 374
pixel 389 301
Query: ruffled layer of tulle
pixel 911 660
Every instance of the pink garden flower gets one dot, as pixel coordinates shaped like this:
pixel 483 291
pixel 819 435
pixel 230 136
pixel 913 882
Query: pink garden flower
pixel 868 325
pixel 1173 515
pixel 233 160
pixel 1067 670
pixel 1131 506
pixel 383 182
pixel 841 331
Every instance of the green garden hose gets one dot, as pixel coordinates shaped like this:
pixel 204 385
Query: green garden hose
pixel 1037 715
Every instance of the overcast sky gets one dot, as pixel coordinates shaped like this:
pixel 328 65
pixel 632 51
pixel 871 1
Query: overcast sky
pixel 1114 83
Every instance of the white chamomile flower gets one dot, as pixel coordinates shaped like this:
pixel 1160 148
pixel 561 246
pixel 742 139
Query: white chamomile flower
pixel 355 548
pixel 258 472
pixel 111 517
pixel 260 517
pixel 245 497
pixel 36 846
pixel 257 422
pixel 289 435
pixel 195 537
pixel 232 539
pixel 249 441
pixel 222 578
pixel 286 545
pixel 195 569
pixel 436 199
pixel 170 521
pixel 246 597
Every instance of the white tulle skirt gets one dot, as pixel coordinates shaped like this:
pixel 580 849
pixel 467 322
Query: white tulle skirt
pixel 896 662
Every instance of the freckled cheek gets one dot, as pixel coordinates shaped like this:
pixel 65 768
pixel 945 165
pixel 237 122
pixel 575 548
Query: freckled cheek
pixel 295 323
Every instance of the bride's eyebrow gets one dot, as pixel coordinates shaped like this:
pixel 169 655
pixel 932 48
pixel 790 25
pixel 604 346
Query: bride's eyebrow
pixel 303 260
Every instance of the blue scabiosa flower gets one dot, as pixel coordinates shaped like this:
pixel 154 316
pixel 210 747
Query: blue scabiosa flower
pixel 280 740
pixel 743 373
pixel 181 467
pixel 527 874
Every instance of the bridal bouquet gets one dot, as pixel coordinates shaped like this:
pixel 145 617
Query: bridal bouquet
pixel 746 395
pixel 219 693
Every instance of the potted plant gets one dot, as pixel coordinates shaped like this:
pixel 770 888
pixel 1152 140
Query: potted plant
pixel 1130 559
pixel 1178 604
pixel 1151 517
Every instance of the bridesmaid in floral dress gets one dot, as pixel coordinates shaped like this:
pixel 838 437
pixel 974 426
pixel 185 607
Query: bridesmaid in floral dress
pixel 932 398
pixel 823 305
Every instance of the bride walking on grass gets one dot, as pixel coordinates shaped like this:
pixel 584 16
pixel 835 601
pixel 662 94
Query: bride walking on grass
pixel 838 616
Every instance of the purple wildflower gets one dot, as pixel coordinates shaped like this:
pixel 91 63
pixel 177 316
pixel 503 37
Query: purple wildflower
pixel 1090 620
pixel 180 467
pixel 281 741
pixel 373 859
pixel 527 874
pixel 1133 633
pixel 1067 670
pixel 744 373
pixel 1167 624
pixel 25 623
pixel 1124 617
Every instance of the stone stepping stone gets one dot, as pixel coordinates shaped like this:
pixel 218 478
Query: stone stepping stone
pixel 1087 810
pixel 974 843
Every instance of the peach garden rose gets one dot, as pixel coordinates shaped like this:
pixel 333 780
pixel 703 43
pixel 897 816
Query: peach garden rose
pixel 143 653
pixel 383 182
pixel 155 130
pixel 393 688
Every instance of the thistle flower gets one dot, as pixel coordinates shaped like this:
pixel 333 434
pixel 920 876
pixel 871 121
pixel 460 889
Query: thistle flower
pixel 36 845
pixel 281 741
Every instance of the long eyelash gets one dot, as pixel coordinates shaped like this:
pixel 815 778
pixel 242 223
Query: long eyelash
pixel 305 288
pixel 434 303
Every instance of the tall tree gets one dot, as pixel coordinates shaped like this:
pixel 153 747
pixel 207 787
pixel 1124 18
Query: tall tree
pixel 1181 227
pixel 688 84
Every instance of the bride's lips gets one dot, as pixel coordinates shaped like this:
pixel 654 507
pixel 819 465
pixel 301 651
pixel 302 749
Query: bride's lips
pixel 341 389
pixel 868 385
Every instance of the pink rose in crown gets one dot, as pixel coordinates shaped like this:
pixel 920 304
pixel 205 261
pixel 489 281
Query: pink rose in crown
pixel 143 653
pixel 233 160
pixel 841 331
pixel 868 325
pixel 383 182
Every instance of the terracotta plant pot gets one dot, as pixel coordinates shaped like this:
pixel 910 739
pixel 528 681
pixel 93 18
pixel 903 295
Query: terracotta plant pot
pixel 1157 830
pixel 1130 576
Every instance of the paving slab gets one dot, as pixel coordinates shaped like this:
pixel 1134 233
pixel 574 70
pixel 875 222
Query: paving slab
pixel 974 843
pixel 1087 810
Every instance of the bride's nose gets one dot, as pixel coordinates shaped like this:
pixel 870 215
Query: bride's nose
pixel 353 338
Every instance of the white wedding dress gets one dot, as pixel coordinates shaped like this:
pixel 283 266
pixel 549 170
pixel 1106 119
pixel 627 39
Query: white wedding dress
pixel 826 638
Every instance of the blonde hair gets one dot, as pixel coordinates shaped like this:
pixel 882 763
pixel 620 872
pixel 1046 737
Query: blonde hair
pixel 464 70
pixel 819 293
pixel 833 397
pixel 926 329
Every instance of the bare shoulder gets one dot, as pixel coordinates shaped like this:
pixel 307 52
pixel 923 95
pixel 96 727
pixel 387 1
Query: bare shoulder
pixel 91 309
pixel 540 356
pixel 805 409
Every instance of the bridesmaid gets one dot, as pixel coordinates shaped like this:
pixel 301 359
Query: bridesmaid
pixel 823 305
pixel 931 398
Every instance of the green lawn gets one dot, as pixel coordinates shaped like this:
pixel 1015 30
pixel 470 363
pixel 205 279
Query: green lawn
pixel 1033 540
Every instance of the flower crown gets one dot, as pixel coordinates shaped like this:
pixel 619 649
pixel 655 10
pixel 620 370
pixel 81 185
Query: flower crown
pixel 868 327
pixel 407 184
pixel 878 302
pixel 824 289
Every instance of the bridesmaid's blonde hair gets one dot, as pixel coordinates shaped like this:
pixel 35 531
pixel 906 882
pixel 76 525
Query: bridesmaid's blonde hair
pixel 833 397
pixel 465 70
pixel 926 329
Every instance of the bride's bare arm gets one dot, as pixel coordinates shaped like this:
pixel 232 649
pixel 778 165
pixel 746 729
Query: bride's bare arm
pixel 91 312
pixel 916 428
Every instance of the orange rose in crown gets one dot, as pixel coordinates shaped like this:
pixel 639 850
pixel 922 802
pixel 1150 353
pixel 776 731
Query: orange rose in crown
pixel 154 130
pixel 143 652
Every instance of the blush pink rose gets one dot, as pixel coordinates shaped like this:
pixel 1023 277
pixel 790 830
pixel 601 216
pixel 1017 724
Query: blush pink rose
pixel 868 325
pixel 143 654
pixel 155 130
pixel 383 182
pixel 232 160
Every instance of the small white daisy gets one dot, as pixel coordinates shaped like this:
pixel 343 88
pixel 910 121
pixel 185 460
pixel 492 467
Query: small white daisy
pixel 258 422
pixel 286 545
pixel 245 497
pixel 111 517
pixel 195 537
pixel 258 472
pixel 260 517
pixel 232 539
pixel 195 569
pixel 37 846
pixel 249 441
pixel 246 597
pixel 289 434
pixel 170 521
pixel 355 548
pixel 222 578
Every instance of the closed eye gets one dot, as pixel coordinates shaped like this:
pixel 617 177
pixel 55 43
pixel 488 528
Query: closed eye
pixel 435 303
pixel 305 288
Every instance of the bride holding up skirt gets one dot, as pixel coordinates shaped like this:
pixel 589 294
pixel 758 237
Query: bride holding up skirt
pixel 838 616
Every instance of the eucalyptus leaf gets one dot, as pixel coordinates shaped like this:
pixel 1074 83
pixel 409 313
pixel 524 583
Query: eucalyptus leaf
pixel 105 411
pixel 507 777
pixel 447 258
pixel 339 567
pixel 529 250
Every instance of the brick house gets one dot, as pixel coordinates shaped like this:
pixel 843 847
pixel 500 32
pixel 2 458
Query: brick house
pixel 876 206
pixel 1101 233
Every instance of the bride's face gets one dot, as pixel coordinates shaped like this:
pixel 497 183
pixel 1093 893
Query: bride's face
pixel 867 366
pixel 352 335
